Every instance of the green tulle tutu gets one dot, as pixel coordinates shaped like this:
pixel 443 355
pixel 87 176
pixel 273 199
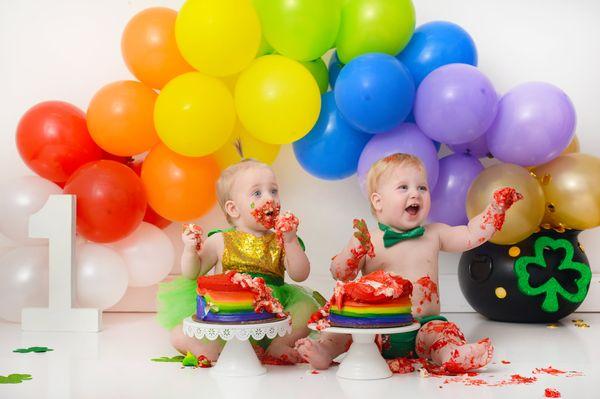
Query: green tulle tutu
pixel 176 301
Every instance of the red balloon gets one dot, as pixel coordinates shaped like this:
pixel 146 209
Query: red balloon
pixel 111 201
pixel 53 140
pixel 151 216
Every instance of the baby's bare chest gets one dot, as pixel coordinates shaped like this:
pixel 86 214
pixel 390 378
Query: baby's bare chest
pixel 412 259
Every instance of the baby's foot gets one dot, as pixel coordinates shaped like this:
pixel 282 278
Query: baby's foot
pixel 315 353
pixel 463 358
pixel 283 353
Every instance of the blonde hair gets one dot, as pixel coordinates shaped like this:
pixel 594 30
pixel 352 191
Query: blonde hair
pixel 384 166
pixel 227 179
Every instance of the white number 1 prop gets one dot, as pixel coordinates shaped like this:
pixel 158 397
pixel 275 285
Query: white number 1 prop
pixel 56 222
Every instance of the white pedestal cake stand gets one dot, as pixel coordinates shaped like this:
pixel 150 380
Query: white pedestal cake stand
pixel 363 361
pixel 237 359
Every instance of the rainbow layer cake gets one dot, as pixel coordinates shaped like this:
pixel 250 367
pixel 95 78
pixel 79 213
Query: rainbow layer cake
pixel 377 300
pixel 237 298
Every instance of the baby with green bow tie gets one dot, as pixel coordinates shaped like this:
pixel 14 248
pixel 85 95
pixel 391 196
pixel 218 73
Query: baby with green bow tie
pixel 403 245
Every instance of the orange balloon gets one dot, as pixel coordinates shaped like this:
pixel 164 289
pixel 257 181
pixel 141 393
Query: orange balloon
pixel 149 48
pixel 120 118
pixel 179 188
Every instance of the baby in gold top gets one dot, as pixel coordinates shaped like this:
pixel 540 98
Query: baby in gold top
pixel 402 244
pixel 249 196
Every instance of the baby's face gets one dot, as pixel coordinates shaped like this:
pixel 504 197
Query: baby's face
pixel 402 198
pixel 253 191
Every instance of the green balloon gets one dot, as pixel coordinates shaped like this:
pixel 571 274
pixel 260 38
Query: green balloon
pixel 265 48
pixel 374 26
pixel 302 29
pixel 319 71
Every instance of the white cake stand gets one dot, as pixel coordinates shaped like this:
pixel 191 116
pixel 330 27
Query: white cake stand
pixel 363 361
pixel 237 359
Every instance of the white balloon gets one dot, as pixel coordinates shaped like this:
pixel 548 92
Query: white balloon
pixel 101 276
pixel 21 198
pixel 23 281
pixel 148 253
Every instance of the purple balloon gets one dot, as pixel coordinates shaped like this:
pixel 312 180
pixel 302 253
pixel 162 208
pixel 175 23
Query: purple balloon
pixel 449 198
pixel 477 148
pixel 406 138
pixel 535 123
pixel 455 104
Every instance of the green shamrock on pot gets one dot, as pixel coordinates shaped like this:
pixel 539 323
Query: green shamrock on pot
pixel 552 288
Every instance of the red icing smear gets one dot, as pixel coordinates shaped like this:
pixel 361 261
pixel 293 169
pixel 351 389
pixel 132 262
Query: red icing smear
pixel 504 362
pixel 551 393
pixel 284 224
pixel 267 214
pixel 548 370
pixel 519 379
pixel 203 362
pixel 264 300
pixel 314 372
pixel 429 289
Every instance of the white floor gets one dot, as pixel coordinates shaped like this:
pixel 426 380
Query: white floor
pixel 116 364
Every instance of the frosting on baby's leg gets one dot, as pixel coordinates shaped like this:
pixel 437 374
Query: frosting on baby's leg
pixel 425 297
pixel 445 345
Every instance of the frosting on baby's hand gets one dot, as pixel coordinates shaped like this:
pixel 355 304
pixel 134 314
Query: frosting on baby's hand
pixel 286 226
pixel 192 235
pixel 495 215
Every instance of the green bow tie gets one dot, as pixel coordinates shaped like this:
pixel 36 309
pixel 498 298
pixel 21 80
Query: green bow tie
pixel 391 237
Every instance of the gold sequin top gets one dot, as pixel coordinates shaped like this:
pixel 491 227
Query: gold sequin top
pixel 248 253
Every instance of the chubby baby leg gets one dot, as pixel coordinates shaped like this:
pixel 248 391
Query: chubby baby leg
pixel 443 343
pixel 320 352
pixel 183 344
pixel 283 347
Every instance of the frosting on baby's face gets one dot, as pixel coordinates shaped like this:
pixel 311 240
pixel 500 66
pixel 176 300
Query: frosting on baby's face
pixel 402 198
pixel 254 203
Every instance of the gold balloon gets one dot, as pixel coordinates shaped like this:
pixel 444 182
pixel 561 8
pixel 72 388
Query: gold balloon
pixel 524 217
pixel 571 185
pixel 573 146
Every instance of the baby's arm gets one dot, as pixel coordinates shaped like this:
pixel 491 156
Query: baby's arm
pixel 296 261
pixel 346 265
pixel 199 256
pixel 481 228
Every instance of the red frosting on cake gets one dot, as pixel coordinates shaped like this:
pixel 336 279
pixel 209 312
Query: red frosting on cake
pixel 376 287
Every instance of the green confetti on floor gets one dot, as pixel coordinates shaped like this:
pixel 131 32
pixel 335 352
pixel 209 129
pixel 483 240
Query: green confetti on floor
pixel 35 349
pixel 174 359
pixel 14 378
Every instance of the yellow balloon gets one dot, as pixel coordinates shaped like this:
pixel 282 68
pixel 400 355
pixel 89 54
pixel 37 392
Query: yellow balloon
pixel 277 99
pixel 194 114
pixel 249 147
pixel 524 217
pixel 571 185
pixel 218 37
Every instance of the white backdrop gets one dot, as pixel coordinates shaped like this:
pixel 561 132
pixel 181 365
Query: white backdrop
pixel 68 49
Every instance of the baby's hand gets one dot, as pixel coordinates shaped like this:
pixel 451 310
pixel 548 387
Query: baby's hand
pixel 505 197
pixel 364 237
pixel 286 226
pixel 192 236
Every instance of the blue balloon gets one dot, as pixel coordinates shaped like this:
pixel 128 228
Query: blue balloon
pixel 435 44
pixel 335 66
pixel 374 92
pixel 331 149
